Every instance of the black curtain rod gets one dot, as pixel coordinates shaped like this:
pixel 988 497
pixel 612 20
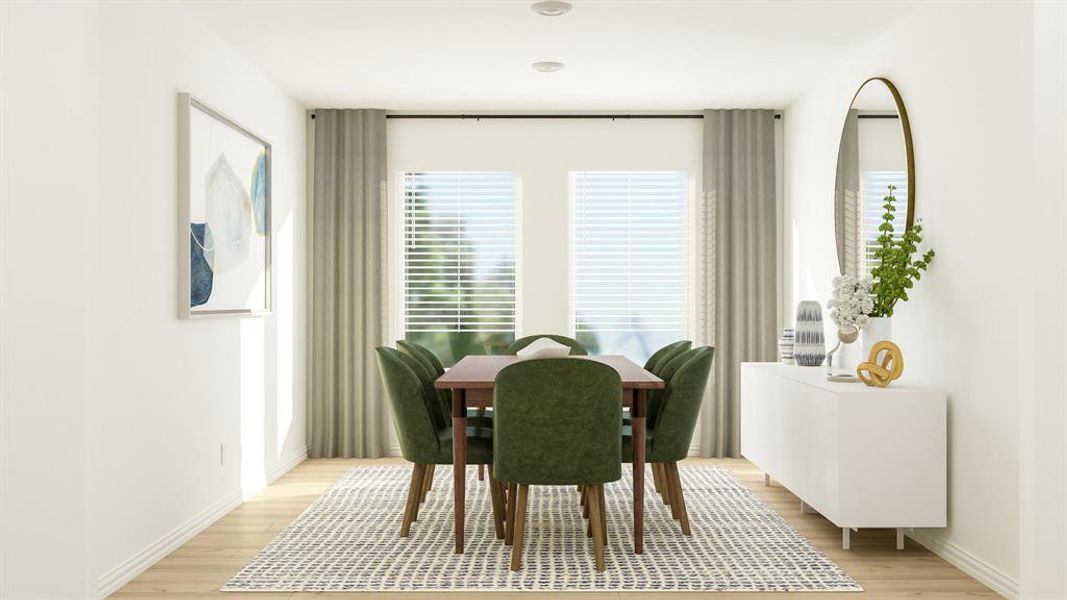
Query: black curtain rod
pixel 599 116
pixel 527 116
pixel 531 116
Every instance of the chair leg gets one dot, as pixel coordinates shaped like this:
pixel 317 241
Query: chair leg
pixel 418 492
pixel 603 513
pixel 657 478
pixel 597 523
pixel 587 510
pixel 427 481
pixel 665 488
pixel 413 499
pixel 502 491
pixel 520 517
pixel 668 478
pixel 509 520
pixel 668 491
pixel 581 495
pixel 678 497
pixel 498 506
pixel 481 468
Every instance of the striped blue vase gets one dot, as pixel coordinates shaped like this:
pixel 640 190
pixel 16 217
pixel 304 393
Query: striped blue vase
pixel 809 350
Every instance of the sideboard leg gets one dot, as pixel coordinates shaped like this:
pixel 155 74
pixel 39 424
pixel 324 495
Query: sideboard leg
pixel 846 538
pixel 767 479
pixel 900 538
pixel 803 508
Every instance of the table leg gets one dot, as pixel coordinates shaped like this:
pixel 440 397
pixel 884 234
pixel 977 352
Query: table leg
pixel 637 418
pixel 459 460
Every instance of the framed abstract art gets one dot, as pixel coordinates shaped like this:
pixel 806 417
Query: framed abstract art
pixel 224 197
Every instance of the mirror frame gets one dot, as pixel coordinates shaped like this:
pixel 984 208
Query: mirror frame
pixel 905 127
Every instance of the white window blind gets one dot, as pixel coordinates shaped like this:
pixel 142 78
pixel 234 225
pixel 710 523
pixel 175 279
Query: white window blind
pixel 875 187
pixel 459 261
pixel 629 260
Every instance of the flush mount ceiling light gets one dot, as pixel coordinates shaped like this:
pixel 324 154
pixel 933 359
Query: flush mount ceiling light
pixel 551 9
pixel 547 66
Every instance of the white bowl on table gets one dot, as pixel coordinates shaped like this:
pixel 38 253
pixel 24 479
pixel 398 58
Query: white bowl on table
pixel 543 348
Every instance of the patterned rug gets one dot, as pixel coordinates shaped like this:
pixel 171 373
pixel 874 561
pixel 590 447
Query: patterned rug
pixel 348 540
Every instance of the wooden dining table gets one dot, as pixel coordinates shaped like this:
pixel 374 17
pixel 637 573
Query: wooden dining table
pixel 471 381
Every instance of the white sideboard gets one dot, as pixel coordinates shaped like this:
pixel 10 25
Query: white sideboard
pixel 860 456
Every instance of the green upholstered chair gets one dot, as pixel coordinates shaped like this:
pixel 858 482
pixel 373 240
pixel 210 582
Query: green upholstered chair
pixel 432 368
pixel 576 348
pixel 669 442
pixel 660 357
pixel 425 356
pixel 653 365
pixel 422 441
pixel 556 423
pixel 440 413
pixel 665 369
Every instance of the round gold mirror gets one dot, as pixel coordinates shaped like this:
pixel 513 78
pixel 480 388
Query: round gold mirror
pixel 874 161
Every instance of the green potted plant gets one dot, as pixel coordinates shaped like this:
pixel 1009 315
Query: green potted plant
pixel 897 266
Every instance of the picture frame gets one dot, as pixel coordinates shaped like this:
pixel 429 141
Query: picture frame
pixel 224 215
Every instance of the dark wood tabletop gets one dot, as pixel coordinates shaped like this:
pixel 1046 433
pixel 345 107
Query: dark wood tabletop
pixel 479 372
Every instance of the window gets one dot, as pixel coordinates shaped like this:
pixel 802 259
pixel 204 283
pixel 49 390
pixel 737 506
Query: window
pixel 629 260
pixel 459 261
pixel 875 187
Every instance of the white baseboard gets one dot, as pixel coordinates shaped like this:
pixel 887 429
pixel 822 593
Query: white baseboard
pixel 286 464
pixel 114 579
pixel 970 564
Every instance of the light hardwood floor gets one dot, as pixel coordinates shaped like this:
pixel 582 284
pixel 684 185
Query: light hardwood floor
pixel 200 567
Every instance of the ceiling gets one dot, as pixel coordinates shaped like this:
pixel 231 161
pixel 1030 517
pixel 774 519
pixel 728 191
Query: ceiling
pixel 476 55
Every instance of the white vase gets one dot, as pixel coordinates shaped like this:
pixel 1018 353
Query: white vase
pixel 879 329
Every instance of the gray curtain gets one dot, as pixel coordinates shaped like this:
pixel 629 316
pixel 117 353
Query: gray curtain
pixel 739 263
pixel 847 197
pixel 347 414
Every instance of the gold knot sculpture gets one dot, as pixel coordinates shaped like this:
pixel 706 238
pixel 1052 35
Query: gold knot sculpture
pixel 885 364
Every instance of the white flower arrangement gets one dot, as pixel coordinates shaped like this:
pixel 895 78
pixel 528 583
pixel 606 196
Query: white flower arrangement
pixel 851 303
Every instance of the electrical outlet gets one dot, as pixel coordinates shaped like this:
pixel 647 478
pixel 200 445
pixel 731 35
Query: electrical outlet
pixel 222 454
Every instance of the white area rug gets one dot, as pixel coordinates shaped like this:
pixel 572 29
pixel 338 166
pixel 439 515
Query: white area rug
pixel 348 540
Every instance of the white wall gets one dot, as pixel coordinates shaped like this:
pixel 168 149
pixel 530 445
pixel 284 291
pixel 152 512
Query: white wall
pixel 172 391
pixel 48 199
pixel 1043 323
pixel 966 74
pixel 542 153
pixel 114 409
